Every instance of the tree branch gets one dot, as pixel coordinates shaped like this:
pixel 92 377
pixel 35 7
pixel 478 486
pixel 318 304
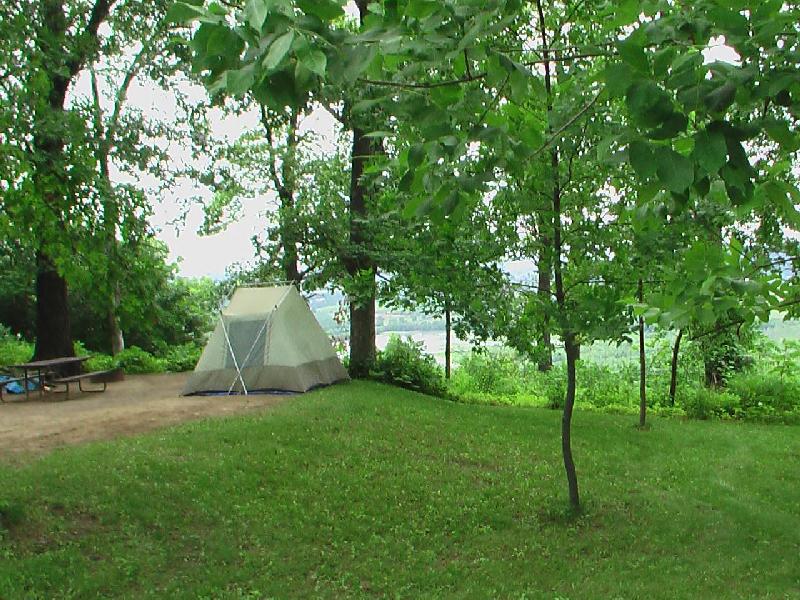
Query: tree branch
pixel 88 36
pixel 569 123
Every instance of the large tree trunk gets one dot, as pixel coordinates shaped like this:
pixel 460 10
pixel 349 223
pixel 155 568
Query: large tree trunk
pixel 61 64
pixel 447 331
pixel 673 376
pixel 642 365
pixel 360 265
pixel 362 338
pixel 53 332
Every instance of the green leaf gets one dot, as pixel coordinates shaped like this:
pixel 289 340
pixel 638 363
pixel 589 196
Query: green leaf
pixel 278 50
pixel 674 124
pixel 180 12
pixel 662 61
pixel 728 20
pixel 447 95
pixel 648 104
pixel 358 59
pixel 618 77
pixel 241 80
pixel 625 13
pixel 710 150
pixel 419 9
pixel 255 11
pixel 633 54
pixel 223 42
pixel 416 154
pixel 675 171
pixel 315 61
pixel 327 10
pixel 450 141
pixel 721 98
pixel 780 133
pixel 365 105
pixel 641 157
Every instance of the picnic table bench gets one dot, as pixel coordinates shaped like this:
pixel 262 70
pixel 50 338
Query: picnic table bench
pixel 94 377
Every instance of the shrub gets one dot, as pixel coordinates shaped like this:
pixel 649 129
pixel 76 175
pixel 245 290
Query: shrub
pixel 601 385
pixel 496 373
pixel 135 360
pixel 552 385
pixel 14 350
pixel 101 362
pixel 764 392
pixel 182 358
pixel 403 363
pixel 704 403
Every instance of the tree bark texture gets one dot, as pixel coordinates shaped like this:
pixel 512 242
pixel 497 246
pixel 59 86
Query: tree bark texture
pixel 566 425
pixel 673 373
pixel 53 331
pixel 544 291
pixel 360 265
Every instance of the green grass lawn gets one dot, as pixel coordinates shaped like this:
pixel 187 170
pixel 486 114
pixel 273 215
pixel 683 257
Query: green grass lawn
pixel 365 490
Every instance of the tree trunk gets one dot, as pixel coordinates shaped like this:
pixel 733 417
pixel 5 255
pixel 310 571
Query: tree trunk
pixel 114 329
pixel 642 365
pixel 289 233
pixel 673 377
pixel 566 425
pixel 570 346
pixel 447 330
pixel 362 338
pixel 358 263
pixel 60 65
pixel 290 260
pixel 53 332
pixel 544 290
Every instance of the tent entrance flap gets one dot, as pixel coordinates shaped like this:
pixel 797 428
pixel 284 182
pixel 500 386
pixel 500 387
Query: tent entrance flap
pixel 247 346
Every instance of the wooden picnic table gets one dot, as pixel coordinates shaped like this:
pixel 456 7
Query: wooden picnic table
pixel 46 367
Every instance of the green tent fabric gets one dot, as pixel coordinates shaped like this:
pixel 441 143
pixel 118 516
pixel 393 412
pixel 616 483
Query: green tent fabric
pixel 267 338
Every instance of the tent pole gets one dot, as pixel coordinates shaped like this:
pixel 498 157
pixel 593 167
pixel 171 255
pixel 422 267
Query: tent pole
pixel 233 356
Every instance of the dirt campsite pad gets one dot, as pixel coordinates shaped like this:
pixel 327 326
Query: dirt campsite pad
pixel 138 404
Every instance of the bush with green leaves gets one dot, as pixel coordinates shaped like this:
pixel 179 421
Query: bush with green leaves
pixel 182 358
pixel 405 364
pixel 134 360
pixel 13 349
pixel 488 372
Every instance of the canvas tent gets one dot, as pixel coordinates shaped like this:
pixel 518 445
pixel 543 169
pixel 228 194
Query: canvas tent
pixel 267 338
